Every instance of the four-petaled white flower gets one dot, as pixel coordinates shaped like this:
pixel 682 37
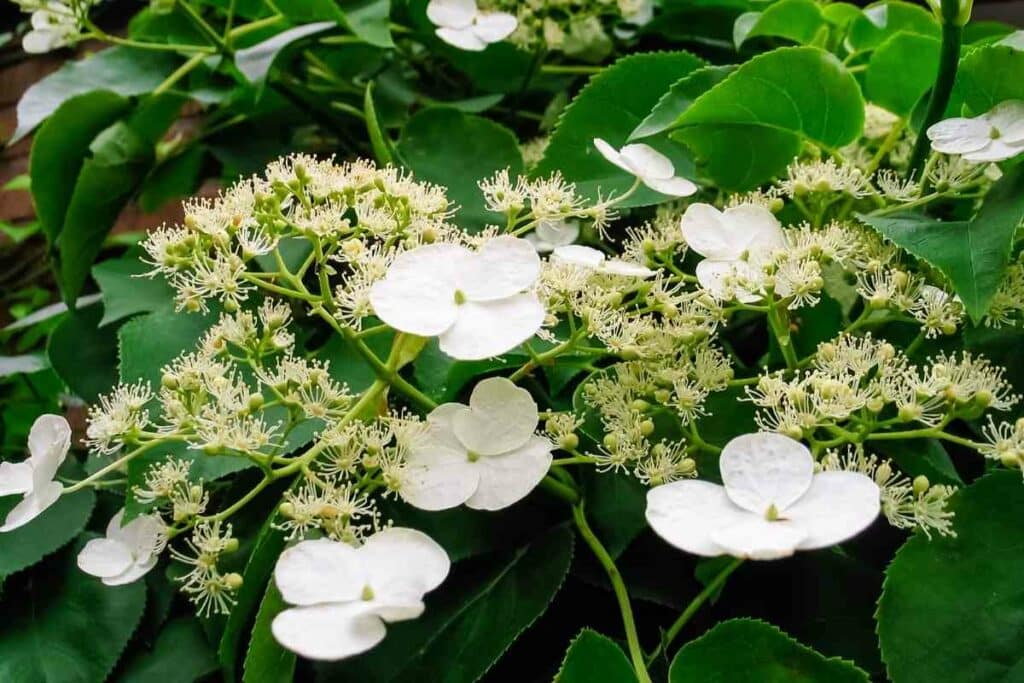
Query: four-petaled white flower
pixel 343 596
pixel 48 444
pixel 592 259
pixel 651 167
pixel 462 24
pixel 551 234
pixel 53 26
pixel 772 504
pixel 127 552
pixel 996 135
pixel 476 303
pixel 485 455
pixel 733 243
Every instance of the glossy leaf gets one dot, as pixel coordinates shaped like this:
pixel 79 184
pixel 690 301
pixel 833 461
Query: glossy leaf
pixel 800 21
pixel 610 107
pixel 265 660
pixel 901 71
pixel 255 61
pixel 883 20
pixel 594 658
pixel 951 608
pixel 180 654
pixel 678 99
pixel 752 651
pixel 148 343
pixel 47 533
pixel 127 290
pixel 987 76
pixel 83 354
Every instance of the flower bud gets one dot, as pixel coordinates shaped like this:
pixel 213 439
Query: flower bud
pixel 647 427
pixel 921 485
pixel 287 510
pixel 611 442
pixel 639 405
pixel 230 545
pixel 569 442
pixel 233 581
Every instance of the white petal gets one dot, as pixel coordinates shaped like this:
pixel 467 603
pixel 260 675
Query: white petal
pixel 612 155
pixel 686 513
pixel 462 38
pixel 626 269
pixel 647 162
pixel 32 505
pixel 142 535
pixel 104 558
pixel 328 632
pixel 442 426
pixel 1008 118
pixel 38 42
pixel 754 227
pixel 558 232
pixel 494 26
pixel 578 255
pixel 758 539
pixel 501 417
pixel 837 506
pixel 764 469
pixel 718 278
pixel 704 230
pixel 438 478
pixel 504 266
pixel 956 136
pixel 507 478
pixel 133 573
pixel 488 329
pixel 318 571
pixel 451 13
pixel 418 293
pixel 48 444
pixel 402 563
pixel 15 478
pixel 995 150
pixel 674 187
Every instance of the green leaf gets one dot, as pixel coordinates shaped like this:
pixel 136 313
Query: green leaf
pixel 83 354
pixel 265 660
pixel 147 343
pixel 921 456
pixel 798 20
pixel 60 147
pixel 121 70
pixel 616 505
pixel 901 71
pixel 972 254
pixel 740 157
pixel 678 99
pixel 45 534
pixel 594 658
pixel 987 76
pixel 179 655
pixel 882 20
pixel 610 107
pixel 448 147
pixel 951 608
pixel 126 291
pixel 178 176
pixel 379 140
pixel 752 651
pixel 762 99
pixel 254 62
pixel 470 620
pixel 67 627
pixel 367 19
pixel 443 378
pixel 26 363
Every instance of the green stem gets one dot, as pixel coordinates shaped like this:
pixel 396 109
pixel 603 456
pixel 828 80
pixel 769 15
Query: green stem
pixel 619 587
pixel 571 69
pixel 204 27
pixel 692 608
pixel 566 493
pixel 179 73
pixel 778 320
pixel 120 462
pixel 949 59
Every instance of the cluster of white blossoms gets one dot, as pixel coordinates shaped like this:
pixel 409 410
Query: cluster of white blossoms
pixel 55 23
pixel 462 24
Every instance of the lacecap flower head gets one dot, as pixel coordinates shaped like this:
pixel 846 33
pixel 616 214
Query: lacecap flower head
pixel 461 23
pixel 48 444
pixel 996 135
pixel 771 505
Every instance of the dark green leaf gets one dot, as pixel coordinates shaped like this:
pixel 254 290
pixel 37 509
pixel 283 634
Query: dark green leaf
pixel 972 254
pixel 180 655
pixel 448 147
pixel 610 107
pixel 379 140
pixel 367 19
pixel 593 658
pixel 921 456
pixel 147 343
pixel 616 503
pixel 679 98
pixel 951 608
pixel 83 354
pixel 265 660
pixel 254 62
pixel 60 147
pixel 68 628
pixel 901 71
pixel 470 620
pixel 740 157
pixel 126 292
pixel 751 651
pixel 45 534
pixel 176 177
pixel 122 70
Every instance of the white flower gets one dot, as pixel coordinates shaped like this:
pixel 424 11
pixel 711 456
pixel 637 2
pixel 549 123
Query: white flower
pixel 551 234
pixel 994 136
pixel 462 24
pixel 127 552
pixel 485 455
pixel 343 595
pixel 475 302
pixel 48 444
pixel 53 26
pixel 592 259
pixel 772 503
pixel 654 169
pixel 732 243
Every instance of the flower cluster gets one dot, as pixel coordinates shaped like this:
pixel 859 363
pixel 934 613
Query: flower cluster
pixel 55 23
